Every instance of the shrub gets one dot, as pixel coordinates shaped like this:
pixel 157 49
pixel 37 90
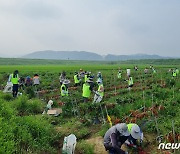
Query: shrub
pixel 30 92
pixel 7 97
pixel 35 106
pixel 27 107
pixel 35 134
pixel 7 125
pixel 21 105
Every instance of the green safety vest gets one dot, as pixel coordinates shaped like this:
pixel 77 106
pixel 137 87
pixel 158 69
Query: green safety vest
pixel 101 93
pixel 14 80
pixel 130 81
pixel 86 91
pixel 119 75
pixel 76 80
pixel 174 74
pixel 85 77
pixel 64 92
pixel 130 126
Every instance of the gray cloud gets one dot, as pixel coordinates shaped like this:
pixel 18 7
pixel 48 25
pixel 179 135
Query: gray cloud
pixel 103 26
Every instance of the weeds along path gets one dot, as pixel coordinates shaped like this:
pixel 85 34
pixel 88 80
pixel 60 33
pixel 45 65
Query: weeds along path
pixel 98 145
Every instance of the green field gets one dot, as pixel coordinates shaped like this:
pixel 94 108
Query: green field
pixel 155 98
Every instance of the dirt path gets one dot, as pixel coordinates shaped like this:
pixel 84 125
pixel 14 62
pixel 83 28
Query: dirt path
pixel 98 145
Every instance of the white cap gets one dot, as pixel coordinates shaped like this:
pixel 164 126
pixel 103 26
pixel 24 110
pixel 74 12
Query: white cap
pixel 66 82
pixel 135 132
pixel 89 81
pixel 50 102
pixel 122 129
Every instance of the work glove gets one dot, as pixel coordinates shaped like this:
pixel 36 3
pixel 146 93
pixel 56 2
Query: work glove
pixel 132 145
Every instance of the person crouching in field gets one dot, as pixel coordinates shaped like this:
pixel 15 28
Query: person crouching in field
pixel 62 77
pixel 135 135
pixel 77 79
pixel 115 137
pixel 64 88
pixel 48 107
pixel 28 81
pixel 130 82
pixel 14 78
pixel 99 93
pixel 36 82
pixel 21 83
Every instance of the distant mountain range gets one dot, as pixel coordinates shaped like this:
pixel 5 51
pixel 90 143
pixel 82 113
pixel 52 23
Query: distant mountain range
pixel 84 55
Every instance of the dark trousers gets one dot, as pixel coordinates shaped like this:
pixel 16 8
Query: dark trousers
pixel 111 150
pixel 15 90
pixel 132 140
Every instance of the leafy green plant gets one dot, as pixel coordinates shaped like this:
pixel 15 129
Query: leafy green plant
pixel 30 92
pixel 27 107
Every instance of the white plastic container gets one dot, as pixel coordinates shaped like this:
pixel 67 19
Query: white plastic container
pixel 69 144
pixel 8 87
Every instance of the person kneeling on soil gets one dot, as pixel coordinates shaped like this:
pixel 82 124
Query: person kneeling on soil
pixel 115 137
pixel 64 88
pixel 99 93
pixel 48 107
pixel 130 82
pixel 77 79
pixel 135 135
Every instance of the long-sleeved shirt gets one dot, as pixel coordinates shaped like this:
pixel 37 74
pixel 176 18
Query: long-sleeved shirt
pixel 113 139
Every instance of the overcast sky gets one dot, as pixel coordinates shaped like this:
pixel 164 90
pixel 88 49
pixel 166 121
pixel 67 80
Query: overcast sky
pixel 100 26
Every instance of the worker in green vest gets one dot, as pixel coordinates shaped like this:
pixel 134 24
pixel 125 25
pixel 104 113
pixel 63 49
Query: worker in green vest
pixel 87 88
pixel 14 78
pixel 174 74
pixel 99 76
pixel 77 80
pixel 119 75
pixel 153 69
pixel 130 82
pixel 64 88
pixel 99 93
pixel 135 135
pixel 115 137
